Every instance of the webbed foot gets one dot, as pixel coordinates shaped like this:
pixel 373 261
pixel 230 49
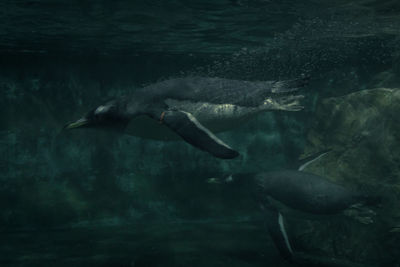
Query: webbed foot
pixel 360 213
pixel 287 103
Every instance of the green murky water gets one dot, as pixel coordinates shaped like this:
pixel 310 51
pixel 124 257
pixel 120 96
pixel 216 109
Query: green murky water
pixel 95 198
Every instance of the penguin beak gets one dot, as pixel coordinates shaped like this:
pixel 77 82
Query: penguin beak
pixel 78 124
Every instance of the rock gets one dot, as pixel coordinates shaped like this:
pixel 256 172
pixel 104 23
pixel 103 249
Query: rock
pixel 362 129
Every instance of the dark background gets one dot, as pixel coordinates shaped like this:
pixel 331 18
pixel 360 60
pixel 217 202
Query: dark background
pixel 88 197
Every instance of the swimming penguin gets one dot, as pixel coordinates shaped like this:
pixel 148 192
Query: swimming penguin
pixel 304 192
pixel 193 108
pixel 301 191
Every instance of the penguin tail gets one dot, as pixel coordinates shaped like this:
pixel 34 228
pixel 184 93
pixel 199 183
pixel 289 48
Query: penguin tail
pixel 369 200
pixel 290 85
pixel 368 196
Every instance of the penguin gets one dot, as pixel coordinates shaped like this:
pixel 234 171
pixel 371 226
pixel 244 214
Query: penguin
pixel 303 192
pixel 193 109
pixel 306 192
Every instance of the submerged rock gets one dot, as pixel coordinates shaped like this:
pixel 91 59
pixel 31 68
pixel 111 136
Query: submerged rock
pixel 362 130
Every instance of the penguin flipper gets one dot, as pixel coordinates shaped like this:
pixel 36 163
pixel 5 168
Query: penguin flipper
pixel 276 228
pixel 190 129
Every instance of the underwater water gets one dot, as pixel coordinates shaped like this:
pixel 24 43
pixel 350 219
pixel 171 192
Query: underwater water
pixel 92 197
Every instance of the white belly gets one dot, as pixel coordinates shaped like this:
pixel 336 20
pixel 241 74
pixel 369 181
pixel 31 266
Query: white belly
pixel 215 117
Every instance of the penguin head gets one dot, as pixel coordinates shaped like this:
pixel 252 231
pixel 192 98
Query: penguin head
pixel 108 116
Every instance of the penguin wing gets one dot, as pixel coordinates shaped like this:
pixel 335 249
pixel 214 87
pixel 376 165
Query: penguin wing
pixel 190 129
pixel 276 228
